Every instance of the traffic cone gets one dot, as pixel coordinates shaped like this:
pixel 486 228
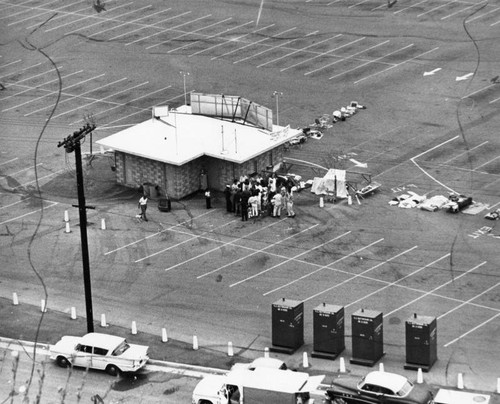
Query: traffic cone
pixel 380 367
pixel 349 199
pixel 498 385
pixel 103 224
pixel 134 328
pixel 67 230
pixel 43 306
pixel 230 351
pixel 164 337
pixel 305 360
pixel 15 300
pixel 420 376
pixel 66 216
pixel 321 202
pixel 195 343
pixel 103 320
pixel 342 366
pixel 266 352
pixel 73 313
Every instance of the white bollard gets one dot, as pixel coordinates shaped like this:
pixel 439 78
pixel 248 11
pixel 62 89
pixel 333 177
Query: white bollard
pixel 134 328
pixel 380 367
pixel 230 351
pixel 321 202
pixel 15 300
pixel 73 313
pixel 342 366
pixel 67 230
pixel 43 306
pixel 103 224
pixel 66 216
pixel 195 343
pixel 498 385
pixel 460 381
pixel 103 320
pixel 305 360
pixel 266 352
pixel 349 199
pixel 164 337
pixel 420 376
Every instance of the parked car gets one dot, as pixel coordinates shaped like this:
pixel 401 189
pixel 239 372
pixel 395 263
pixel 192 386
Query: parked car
pixel 377 387
pixel 457 203
pixel 100 351
pixel 269 363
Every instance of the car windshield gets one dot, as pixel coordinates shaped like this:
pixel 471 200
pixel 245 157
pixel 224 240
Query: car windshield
pixel 120 349
pixel 405 390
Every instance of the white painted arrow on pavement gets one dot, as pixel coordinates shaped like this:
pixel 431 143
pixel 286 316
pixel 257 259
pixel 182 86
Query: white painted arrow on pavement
pixel 459 78
pixel 432 72
pixel 358 164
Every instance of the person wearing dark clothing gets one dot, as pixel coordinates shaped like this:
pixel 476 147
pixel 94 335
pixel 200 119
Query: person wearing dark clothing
pixel 245 195
pixel 237 202
pixel 208 199
pixel 227 195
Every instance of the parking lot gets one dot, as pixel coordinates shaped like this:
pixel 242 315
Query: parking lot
pixel 427 72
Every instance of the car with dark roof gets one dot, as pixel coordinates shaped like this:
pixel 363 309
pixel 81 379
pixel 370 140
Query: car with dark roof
pixel 375 388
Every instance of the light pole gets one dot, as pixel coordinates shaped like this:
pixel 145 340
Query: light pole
pixel 276 95
pixel 184 74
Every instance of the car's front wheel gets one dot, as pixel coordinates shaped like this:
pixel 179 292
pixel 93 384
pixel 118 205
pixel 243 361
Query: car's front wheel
pixel 113 370
pixel 63 362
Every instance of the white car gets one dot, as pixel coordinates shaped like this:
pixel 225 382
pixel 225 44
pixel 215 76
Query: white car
pixel 269 363
pixel 100 351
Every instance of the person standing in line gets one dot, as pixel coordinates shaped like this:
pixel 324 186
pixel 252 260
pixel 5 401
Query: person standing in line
pixel 227 195
pixel 208 199
pixel 245 195
pixel 289 205
pixel 277 200
pixel 143 205
pixel 253 201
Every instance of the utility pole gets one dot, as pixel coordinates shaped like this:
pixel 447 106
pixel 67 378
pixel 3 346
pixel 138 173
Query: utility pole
pixel 72 143
pixel 276 95
pixel 184 74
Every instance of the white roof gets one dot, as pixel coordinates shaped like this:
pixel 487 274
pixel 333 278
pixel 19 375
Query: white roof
pixel 181 137
pixel 391 381
pixel 99 340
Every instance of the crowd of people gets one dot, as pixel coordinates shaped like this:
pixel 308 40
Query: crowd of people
pixel 258 197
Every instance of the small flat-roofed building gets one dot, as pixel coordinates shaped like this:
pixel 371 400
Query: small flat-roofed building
pixel 197 147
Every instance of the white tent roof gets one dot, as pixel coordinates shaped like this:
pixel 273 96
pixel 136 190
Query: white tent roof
pixel 181 137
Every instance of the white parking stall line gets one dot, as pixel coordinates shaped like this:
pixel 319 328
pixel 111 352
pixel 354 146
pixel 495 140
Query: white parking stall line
pixel 222 245
pixel 297 50
pixel 285 262
pixel 222 43
pixel 322 53
pixel 16 5
pixel 471 330
pixel 271 48
pixel 86 17
pixel 107 20
pixel 482 15
pixel 248 44
pixel 101 99
pixel 360 275
pixel 254 253
pixel 158 233
pixel 132 22
pixel 60 16
pixel 72 96
pixel 34 88
pixel 21 70
pixel 189 33
pixel 323 266
pixel 127 103
pixel 169 29
pixel 10 63
pixel 495 100
pixel 141 111
pixel 22 171
pixel 342 59
pixel 391 67
pixel 32 77
pixel 465 152
pixel 358 3
pixel 30 213
pixel 495 23
pixel 413 5
pixel 431 292
pixel 477 91
pixel 488 162
pixel 44 11
pixel 39 179
pixel 12 204
pixel 263 40
pixel 144 26
pixel 372 61
pixel 184 242
pixel 24 10
pixel 460 11
pixel 9 161
pixel 437 8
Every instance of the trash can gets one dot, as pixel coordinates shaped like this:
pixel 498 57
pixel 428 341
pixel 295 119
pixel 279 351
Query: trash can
pixel 164 204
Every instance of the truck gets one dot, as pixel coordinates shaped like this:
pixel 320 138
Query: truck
pixel 257 386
